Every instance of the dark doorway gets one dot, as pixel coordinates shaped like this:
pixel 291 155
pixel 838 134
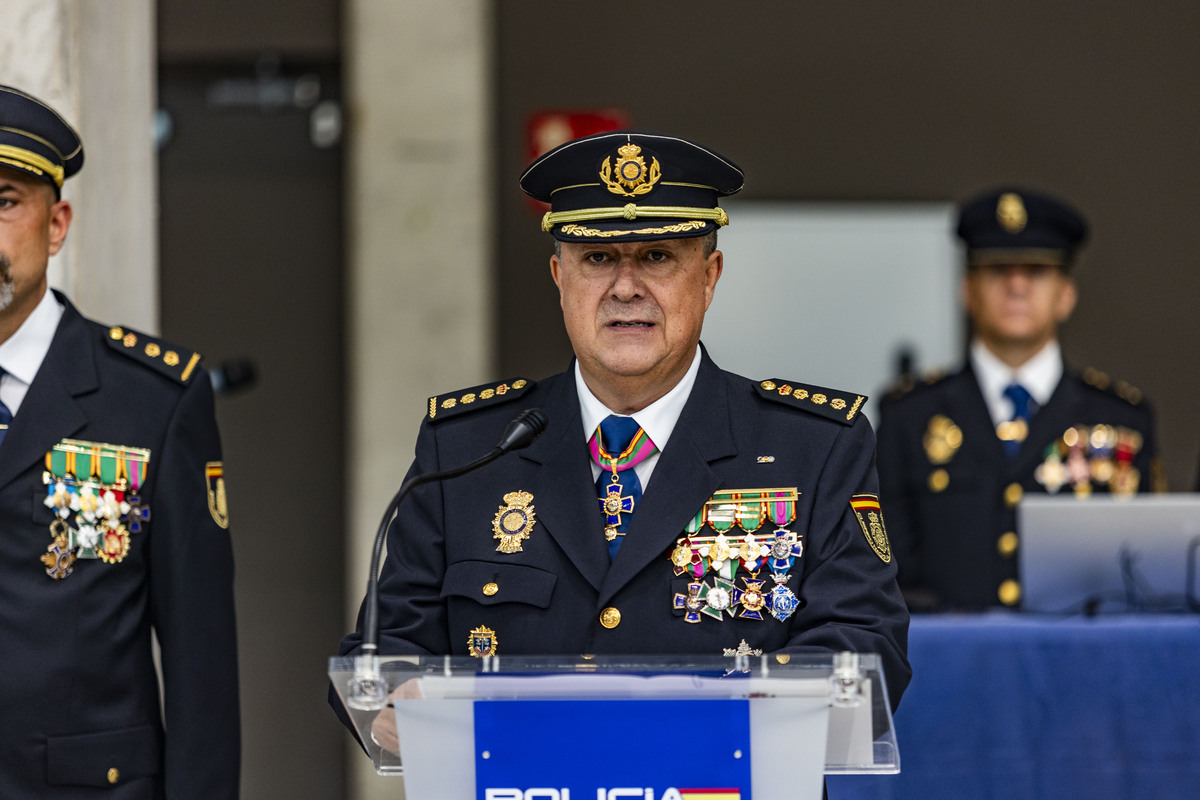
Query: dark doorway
pixel 251 265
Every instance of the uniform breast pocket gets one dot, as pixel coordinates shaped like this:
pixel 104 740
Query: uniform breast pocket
pixel 490 583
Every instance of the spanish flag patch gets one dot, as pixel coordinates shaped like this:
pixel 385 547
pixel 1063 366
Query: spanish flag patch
pixel 870 518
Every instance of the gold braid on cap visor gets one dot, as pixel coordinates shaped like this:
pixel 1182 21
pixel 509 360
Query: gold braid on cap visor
pixel 31 162
pixel 632 211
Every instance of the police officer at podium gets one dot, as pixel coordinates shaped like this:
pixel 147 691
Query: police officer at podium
pixel 957 452
pixel 671 506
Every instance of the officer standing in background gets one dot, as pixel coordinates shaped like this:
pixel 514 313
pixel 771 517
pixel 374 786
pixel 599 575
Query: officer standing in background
pixel 671 507
pixel 957 452
pixel 113 523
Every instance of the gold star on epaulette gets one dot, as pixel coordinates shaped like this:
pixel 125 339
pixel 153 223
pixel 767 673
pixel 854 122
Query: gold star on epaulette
pixel 483 396
pixel 175 362
pixel 832 404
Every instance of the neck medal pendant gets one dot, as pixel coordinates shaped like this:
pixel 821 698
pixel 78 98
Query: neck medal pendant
pixel 613 505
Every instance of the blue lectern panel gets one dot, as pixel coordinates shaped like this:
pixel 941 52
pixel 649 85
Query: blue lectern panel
pixel 606 750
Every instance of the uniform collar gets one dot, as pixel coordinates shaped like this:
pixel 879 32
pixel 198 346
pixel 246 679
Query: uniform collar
pixel 22 355
pixel 657 419
pixel 1039 375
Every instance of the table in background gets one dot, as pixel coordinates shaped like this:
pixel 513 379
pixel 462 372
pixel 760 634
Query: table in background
pixel 1009 706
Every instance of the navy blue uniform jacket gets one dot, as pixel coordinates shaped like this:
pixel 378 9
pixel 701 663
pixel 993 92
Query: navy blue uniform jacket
pixel 549 597
pixel 947 538
pixel 79 696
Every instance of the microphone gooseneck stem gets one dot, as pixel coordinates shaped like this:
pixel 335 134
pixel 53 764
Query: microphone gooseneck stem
pixel 370 643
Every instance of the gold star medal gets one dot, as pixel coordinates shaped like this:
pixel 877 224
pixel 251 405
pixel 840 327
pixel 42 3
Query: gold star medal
pixel 513 522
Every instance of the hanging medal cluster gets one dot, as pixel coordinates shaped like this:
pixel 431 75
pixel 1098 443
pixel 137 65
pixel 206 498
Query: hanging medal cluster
pixel 1086 456
pixel 93 490
pixel 735 519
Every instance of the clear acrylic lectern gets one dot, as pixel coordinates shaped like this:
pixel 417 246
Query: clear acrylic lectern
pixel 665 727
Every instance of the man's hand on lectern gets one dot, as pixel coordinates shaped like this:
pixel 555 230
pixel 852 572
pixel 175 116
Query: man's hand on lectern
pixel 383 728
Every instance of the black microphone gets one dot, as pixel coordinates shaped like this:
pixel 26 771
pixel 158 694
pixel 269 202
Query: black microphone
pixel 525 427
pixel 367 690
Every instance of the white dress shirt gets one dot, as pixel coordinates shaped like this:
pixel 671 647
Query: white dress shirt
pixel 22 355
pixel 657 419
pixel 1039 375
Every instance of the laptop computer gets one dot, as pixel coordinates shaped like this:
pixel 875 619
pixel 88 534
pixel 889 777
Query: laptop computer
pixel 1107 554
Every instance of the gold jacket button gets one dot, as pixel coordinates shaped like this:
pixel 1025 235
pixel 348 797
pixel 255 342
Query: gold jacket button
pixel 1013 495
pixel 783 658
pixel 1006 545
pixel 490 589
pixel 1009 593
pixel 610 617
pixel 939 479
pixel 114 775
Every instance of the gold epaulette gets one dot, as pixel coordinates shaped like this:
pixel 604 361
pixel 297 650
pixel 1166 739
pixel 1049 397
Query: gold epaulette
pixel 1122 389
pixel 177 363
pixel 483 396
pixel 832 404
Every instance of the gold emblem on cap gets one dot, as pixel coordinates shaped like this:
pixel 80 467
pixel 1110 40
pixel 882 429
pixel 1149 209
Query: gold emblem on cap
pixel 513 521
pixel 1010 212
pixel 631 177
pixel 610 617
pixel 942 439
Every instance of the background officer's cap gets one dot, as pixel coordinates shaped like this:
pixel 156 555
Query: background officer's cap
pixel 629 186
pixel 35 140
pixel 1015 226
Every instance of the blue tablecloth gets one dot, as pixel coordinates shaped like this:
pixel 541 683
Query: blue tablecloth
pixel 1007 706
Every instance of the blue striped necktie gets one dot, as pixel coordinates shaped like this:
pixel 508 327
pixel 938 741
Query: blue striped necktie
pixel 1024 407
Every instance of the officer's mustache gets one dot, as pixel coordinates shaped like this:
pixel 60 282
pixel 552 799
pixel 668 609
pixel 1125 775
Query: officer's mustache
pixel 5 268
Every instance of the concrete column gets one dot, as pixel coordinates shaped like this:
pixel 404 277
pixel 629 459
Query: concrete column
pixel 94 62
pixel 419 229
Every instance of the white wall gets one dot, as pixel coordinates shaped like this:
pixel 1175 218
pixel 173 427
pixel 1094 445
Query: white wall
pixel 828 293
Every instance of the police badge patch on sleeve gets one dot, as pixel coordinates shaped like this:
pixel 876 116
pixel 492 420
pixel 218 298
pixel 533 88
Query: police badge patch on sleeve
pixel 870 518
